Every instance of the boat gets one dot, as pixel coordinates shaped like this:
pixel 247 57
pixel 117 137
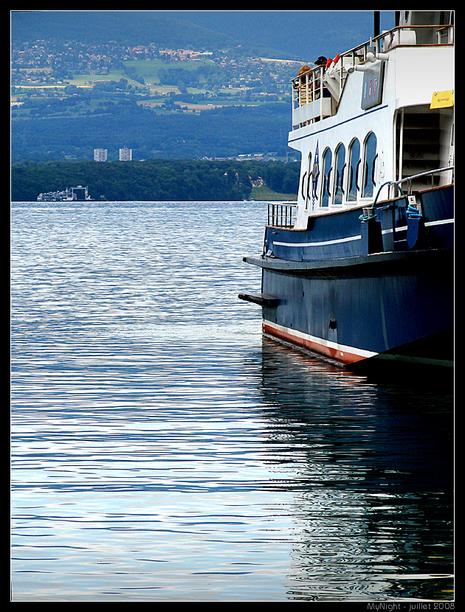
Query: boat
pixel 70 194
pixel 360 269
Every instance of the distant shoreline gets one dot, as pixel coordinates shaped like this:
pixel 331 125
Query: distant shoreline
pixel 170 200
pixel 159 180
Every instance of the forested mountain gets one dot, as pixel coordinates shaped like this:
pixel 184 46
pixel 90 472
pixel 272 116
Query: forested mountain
pixel 128 27
pixel 219 133
pixel 302 34
pixel 298 34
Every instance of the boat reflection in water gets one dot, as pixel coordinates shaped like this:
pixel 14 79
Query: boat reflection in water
pixel 371 466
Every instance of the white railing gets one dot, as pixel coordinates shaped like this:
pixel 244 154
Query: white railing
pixel 282 214
pixel 311 84
pixel 395 186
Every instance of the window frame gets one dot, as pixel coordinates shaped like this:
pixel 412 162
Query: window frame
pixel 366 166
pixel 309 179
pixel 349 182
pixel 340 148
pixel 326 182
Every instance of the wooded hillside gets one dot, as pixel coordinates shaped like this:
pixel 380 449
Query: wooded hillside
pixel 154 179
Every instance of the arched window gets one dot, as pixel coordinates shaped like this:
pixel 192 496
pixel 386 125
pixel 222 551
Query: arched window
pixel 327 167
pixel 304 176
pixel 369 166
pixel 354 163
pixel 339 166
pixel 309 179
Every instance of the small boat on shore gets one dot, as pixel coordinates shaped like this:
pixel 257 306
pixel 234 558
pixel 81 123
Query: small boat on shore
pixel 361 268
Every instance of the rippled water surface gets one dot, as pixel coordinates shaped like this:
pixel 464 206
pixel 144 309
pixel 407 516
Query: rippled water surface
pixel 163 451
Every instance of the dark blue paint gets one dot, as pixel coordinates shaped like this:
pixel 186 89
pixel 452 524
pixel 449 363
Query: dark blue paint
pixel 436 204
pixel 380 310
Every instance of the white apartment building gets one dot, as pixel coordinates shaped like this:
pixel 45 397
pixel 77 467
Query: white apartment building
pixel 100 155
pixel 125 154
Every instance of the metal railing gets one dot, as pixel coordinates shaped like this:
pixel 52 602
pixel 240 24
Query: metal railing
pixel 395 185
pixel 307 87
pixel 282 214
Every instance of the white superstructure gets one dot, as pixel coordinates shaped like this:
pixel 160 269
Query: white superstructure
pixel 380 112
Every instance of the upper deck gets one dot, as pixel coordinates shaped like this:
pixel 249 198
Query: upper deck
pixel 317 91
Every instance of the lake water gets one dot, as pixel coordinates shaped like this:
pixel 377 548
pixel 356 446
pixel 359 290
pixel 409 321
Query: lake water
pixel 162 450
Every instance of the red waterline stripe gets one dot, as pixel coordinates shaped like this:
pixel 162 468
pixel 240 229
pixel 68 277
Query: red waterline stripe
pixel 317 347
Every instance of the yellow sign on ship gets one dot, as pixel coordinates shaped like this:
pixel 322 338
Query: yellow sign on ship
pixel 442 99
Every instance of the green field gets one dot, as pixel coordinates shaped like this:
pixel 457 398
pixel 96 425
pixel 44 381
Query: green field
pixel 149 69
pixel 163 89
pixel 80 79
pixel 265 193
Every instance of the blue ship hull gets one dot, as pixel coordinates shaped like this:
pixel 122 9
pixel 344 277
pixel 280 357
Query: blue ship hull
pixel 355 290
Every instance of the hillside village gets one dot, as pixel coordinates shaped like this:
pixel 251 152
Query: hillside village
pixel 165 84
pixel 85 86
pixel 45 68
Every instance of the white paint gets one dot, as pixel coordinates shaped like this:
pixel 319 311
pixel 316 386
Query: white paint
pixel 411 75
pixel 313 244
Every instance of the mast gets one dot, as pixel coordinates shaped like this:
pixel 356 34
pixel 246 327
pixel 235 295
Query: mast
pixel 376 24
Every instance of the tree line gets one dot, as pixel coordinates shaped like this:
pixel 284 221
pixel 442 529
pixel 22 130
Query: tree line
pixel 153 179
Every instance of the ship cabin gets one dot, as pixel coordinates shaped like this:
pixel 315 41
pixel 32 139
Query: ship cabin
pixel 376 121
